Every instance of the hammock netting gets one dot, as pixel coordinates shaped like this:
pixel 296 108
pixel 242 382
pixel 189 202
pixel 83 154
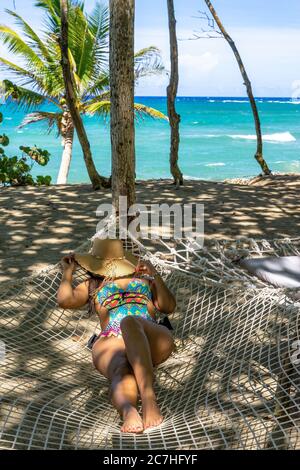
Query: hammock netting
pixel 232 383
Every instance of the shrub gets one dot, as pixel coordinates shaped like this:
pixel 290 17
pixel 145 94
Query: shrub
pixel 16 171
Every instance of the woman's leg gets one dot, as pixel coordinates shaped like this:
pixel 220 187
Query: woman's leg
pixel 110 359
pixel 147 344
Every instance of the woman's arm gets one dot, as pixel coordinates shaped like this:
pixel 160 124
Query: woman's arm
pixel 163 298
pixel 67 297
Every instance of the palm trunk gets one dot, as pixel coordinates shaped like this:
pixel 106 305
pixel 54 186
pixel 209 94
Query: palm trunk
pixel 67 132
pixel 97 180
pixel 121 62
pixel 259 151
pixel 172 89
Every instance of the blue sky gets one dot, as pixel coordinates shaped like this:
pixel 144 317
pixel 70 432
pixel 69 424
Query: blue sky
pixel 267 33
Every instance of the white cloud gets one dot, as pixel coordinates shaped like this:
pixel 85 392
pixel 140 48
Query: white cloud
pixel 194 64
pixel 208 67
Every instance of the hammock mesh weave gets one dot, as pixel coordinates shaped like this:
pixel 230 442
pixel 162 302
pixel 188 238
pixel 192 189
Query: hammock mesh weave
pixel 232 383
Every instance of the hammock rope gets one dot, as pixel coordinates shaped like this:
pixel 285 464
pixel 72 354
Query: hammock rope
pixel 230 384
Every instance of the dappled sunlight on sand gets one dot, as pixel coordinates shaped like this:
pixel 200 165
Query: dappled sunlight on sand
pixel 39 225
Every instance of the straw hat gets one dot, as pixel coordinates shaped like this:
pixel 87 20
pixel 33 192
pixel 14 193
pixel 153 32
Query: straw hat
pixel 108 258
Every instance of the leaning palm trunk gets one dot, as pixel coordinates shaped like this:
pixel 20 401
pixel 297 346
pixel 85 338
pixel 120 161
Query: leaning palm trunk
pixel 97 180
pixel 67 132
pixel 259 151
pixel 172 89
pixel 121 62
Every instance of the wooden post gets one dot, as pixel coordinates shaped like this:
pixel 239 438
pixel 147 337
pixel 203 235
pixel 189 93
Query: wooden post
pixel 172 89
pixel 121 63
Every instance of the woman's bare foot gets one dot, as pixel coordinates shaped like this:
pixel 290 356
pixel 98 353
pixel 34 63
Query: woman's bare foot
pixel 132 421
pixel 151 413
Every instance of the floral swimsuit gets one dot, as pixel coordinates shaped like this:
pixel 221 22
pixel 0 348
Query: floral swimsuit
pixel 123 302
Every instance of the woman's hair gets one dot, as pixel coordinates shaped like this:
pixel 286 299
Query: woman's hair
pixel 94 283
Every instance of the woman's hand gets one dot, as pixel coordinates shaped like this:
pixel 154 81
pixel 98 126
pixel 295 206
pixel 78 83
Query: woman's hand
pixel 145 267
pixel 163 298
pixel 68 263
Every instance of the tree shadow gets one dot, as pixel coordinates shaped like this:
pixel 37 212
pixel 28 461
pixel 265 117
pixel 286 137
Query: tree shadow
pixel 217 391
pixel 39 225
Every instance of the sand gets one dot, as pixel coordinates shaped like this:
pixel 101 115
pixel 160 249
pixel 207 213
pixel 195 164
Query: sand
pixel 39 225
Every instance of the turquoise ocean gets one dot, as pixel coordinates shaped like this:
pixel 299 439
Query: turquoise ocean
pixel 217 139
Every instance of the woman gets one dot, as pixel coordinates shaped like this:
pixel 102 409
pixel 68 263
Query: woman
pixel 131 342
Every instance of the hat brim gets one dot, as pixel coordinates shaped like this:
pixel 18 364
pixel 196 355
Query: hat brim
pixel 122 267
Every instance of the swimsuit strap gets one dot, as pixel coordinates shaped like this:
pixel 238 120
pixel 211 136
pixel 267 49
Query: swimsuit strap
pixel 124 298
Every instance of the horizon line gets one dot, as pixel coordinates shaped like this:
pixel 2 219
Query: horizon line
pixel 216 96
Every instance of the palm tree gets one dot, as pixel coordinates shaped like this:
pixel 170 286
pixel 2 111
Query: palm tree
pixel 40 80
pixel 71 98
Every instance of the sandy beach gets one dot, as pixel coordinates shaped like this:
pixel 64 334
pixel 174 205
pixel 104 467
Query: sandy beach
pixel 39 225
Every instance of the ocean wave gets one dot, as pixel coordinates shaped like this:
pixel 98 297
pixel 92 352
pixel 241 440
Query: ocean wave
pixel 194 178
pixel 8 119
pixel 282 102
pixel 277 137
pixel 216 164
pixel 291 101
pixel 234 101
pixel 276 101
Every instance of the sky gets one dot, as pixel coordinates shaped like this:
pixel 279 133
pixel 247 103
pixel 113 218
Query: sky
pixel 266 32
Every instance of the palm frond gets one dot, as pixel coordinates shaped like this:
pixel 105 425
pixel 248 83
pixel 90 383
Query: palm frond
pixel 99 89
pixel 34 40
pixel 51 119
pixel 17 46
pixel 142 111
pixel 42 75
pixel 98 22
pixel 101 108
pixel 88 41
pixel 15 69
pixel 51 20
pixel 81 43
pixel 25 98
pixel 147 62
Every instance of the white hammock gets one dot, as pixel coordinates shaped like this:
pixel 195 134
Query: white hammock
pixel 231 384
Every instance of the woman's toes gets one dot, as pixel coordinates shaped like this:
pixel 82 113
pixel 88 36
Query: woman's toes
pixel 132 422
pixel 151 414
pixel 152 424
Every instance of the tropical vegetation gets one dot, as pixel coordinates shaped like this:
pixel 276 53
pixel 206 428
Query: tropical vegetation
pixel 39 80
pixel 16 171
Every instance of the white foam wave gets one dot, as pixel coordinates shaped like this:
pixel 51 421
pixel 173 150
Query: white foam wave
pixel 235 101
pixel 194 178
pixel 282 102
pixel 277 137
pixel 278 101
pixel 8 119
pixel 216 164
